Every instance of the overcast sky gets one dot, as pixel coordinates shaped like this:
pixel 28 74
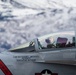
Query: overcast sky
pixel 69 3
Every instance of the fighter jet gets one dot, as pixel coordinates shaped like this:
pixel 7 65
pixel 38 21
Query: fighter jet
pixel 53 54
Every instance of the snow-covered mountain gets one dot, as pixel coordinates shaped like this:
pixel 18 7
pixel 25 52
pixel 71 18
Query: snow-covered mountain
pixel 23 20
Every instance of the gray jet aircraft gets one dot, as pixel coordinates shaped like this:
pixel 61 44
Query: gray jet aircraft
pixel 53 54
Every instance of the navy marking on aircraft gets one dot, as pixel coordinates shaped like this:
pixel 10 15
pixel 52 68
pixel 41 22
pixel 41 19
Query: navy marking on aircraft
pixel 46 72
pixel 53 54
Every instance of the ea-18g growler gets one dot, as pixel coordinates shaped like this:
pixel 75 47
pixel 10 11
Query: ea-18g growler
pixel 53 54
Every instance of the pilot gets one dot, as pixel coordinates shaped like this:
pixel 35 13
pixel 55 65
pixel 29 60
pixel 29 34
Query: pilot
pixel 32 43
pixel 49 44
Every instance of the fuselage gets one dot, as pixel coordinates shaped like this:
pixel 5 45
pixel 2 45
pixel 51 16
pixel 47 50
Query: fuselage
pixel 55 52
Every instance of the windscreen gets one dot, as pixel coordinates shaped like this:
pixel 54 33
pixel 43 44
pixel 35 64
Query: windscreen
pixel 29 46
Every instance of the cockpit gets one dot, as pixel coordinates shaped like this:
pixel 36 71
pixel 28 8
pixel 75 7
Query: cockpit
pixel 58 40
pixel 51 41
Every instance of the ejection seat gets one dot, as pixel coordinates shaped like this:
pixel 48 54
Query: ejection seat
pixel 61 42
